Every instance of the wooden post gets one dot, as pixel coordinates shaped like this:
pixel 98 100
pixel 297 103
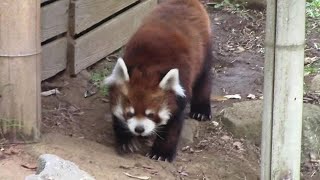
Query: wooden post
pixel 20 104
pixel 283 90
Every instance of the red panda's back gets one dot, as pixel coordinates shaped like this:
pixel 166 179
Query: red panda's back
pixel 175 35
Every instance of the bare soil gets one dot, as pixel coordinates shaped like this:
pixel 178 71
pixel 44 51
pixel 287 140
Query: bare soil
pixel 238 39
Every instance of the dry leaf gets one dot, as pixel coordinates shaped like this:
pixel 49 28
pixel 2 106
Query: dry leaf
pixel 251 96
pixel 215 123
pixel 137 177
pixel 218 98
pixel 238 145
pixel 310 60
pixel 225 138
pixel 50 92
pixel 28 166
pixel 239 49
pixel 235 96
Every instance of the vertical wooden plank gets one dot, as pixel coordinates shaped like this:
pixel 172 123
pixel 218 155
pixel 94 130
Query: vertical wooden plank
pixel 268 91
pixel 288 90
pixel 282 118
pixel 90 12
pixel 20 104
pixel 105 39
pixel 54 19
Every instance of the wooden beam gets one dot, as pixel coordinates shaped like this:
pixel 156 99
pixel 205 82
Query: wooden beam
pixel 283 90
pixel 54 58
pixel 87 13
pixel 20 104
pixel 110 36
pixel 54 19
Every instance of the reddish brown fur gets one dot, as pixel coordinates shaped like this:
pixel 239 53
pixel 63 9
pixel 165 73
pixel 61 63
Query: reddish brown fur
pixel 175 35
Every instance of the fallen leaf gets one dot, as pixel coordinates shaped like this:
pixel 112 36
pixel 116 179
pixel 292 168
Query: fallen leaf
pixel 215 123
pixel 313 156
pixel 50 92
pixel 125 167
pixel 218 98
pixel 137 177
pixel 183 173
pixel 235 96
pixel 310 60
pixel 185 148
pixel 238 145
pixel 239 49
pixel 261 97
pixel 251 96
pixel 225 137
pixel 28 166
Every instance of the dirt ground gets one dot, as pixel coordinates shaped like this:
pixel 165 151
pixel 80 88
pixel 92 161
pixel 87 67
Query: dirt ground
pixel 238 69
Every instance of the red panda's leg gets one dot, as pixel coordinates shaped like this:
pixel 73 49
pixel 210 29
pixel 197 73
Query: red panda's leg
pixel 200 101
pixel 165 145
pixel 125 141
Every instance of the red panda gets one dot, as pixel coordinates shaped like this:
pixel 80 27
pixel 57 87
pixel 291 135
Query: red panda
pixel 166 64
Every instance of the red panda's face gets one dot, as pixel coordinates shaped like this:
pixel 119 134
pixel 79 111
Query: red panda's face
pixel 141 104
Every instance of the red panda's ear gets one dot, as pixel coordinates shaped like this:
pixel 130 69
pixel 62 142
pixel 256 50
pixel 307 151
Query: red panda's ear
pixel 119 74
pixel 171 82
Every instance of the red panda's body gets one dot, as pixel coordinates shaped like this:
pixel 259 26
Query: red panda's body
pixel 166 64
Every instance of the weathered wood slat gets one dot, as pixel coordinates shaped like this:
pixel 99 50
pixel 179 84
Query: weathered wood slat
pixel 43 1
pixel 54 58
pixel 54 19
pixel 110 36
pixel 89 12
pixel 20 105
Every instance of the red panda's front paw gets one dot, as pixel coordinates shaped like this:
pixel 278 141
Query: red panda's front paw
pixel 129 147
pixel 161 154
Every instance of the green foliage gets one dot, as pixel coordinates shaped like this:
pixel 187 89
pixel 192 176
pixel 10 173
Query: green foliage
pixel 97 79
pixel 229 4
pixel 313 8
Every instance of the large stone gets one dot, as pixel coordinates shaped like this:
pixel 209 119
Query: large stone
pixel 244 120
pixel 55 168
pixel 315 83
pixel 311 130
pixel 255 4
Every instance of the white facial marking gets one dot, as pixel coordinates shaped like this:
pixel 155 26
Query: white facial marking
pixel 164 115
pixel 171 82
pixel 147 124
pixel 118 112
pixel 149 111
pixel 130 109
pixel 119 74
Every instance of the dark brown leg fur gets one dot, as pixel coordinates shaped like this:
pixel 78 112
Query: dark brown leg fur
pixel 200 101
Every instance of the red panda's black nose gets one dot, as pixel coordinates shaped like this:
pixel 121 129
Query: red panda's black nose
pixel 139 129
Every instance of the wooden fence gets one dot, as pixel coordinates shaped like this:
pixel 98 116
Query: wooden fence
pixel 78 33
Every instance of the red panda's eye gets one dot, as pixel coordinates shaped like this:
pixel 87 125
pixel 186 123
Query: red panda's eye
pixel 129 114
pixel 150 115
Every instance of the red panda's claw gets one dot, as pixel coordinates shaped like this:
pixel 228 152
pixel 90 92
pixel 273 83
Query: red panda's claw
pixel 154 157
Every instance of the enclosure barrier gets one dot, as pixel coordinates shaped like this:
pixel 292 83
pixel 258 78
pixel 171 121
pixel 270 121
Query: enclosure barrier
pixel 283 90
pixel 72 34
pixel 20 72
pixel 79 33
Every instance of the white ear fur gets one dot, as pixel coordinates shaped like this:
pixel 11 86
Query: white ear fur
pixel 119 74
pixel 171 82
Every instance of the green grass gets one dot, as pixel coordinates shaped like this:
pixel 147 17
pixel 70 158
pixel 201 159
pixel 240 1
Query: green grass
pixel 97 79
pixel 313 9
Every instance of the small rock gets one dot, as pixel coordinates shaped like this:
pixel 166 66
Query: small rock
pixel 215 123
pixel 226 138
pixel 55 168
pixel 315 83
pixel 238 145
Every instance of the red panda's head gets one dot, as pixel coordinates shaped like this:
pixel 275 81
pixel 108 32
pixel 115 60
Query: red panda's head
pixel 143 101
